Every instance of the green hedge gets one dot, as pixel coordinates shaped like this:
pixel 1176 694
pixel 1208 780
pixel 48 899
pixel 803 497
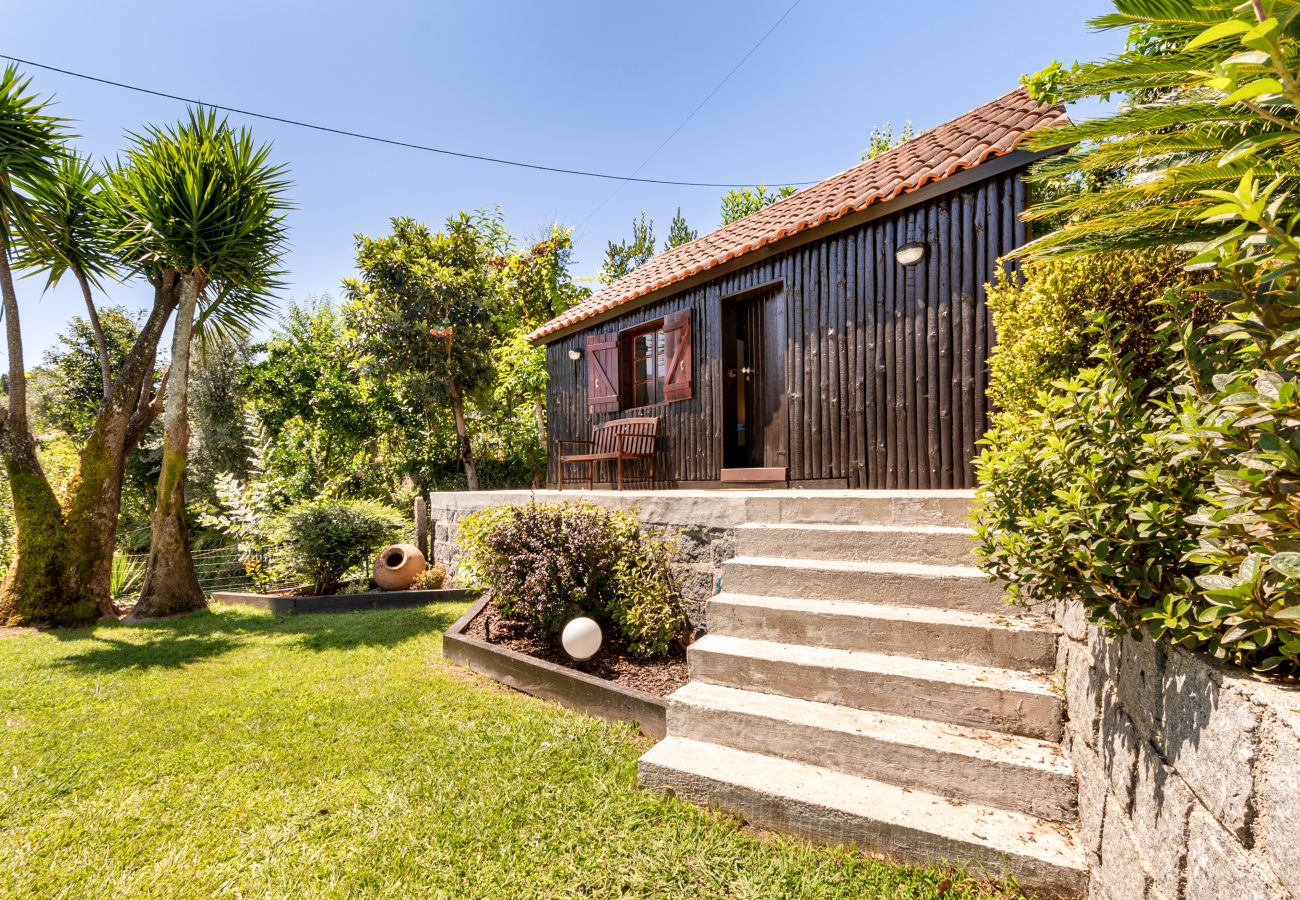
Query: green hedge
pixel 1041 315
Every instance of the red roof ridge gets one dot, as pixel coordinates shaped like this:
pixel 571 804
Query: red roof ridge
pixel 991 130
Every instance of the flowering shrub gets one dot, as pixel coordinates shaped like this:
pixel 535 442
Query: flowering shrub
pixel 543 564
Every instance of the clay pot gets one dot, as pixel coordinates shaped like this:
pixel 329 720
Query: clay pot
pixel 397 565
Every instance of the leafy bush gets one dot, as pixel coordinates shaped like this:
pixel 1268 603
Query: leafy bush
pixel 1041 315
pixel 322 540
pixel 1247 425
pixel 1200 156
pixel 543 564
pixel 431 579
pixel 1086 496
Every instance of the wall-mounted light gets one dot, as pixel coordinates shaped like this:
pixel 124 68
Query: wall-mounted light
pixel 575 355
pixel 910 254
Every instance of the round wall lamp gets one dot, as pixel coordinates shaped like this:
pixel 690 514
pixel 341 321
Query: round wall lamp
pixel 581 638
pixel 575 355
pixel 910 254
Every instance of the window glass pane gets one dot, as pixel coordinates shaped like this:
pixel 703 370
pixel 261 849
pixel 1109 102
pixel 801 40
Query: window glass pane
pixel 641 394
pixel 661 351
pixel 641 370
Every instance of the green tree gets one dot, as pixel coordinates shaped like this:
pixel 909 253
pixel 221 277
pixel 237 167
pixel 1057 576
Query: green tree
pixel 74 240
pixel 425 311
pixel 882 139
pixel 1195 119
pixel 31 142
pixel 537 287
pixel 740 202
pixel 679 232
pixel 324 417
pixel 217 403
pixel 67 388
pixel 624 256
pixel 203 201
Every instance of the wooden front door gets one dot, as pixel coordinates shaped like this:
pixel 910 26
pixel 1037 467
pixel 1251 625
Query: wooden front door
pixel 754 427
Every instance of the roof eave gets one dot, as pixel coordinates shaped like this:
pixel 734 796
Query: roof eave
pixel 989 168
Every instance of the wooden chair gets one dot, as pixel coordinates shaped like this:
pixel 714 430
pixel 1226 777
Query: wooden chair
pixel 614 441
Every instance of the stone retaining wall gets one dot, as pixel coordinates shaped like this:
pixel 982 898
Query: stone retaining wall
pixel 705 531
pixel 1189 772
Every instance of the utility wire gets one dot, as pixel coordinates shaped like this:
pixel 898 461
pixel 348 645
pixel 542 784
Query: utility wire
pixel 382 140
pixel 699 106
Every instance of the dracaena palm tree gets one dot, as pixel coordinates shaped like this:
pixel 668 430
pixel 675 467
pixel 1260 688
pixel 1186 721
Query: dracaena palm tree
pixel 72 204
pixel 203 201
pixel 31 143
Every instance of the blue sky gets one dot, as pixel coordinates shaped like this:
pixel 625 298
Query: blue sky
pixel 586 85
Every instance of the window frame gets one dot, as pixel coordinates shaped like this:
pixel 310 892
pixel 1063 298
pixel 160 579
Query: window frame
pixel 628 340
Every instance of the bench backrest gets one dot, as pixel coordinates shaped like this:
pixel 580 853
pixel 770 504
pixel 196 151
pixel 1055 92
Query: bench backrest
pixel 638 435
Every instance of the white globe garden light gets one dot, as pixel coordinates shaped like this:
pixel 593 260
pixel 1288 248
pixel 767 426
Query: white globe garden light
pixel 581 638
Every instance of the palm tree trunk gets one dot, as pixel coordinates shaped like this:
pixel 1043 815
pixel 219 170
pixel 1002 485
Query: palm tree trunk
pixel 32 589
pixel 462 433
pixel 101 344
pixel 94 497
pixel 170 583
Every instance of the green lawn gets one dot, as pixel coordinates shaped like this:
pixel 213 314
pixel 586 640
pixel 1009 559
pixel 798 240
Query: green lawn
pixel 238 754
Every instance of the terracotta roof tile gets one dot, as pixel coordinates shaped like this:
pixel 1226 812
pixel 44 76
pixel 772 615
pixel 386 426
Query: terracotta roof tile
pixel 992 130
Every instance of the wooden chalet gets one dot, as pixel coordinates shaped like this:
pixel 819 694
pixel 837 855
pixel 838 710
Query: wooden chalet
pixel 838 338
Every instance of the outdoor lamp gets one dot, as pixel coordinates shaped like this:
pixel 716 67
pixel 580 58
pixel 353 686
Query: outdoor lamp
pixel 575 355
pixel 581 638
pixel 910 254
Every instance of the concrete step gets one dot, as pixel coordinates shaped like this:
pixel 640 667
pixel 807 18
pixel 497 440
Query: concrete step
pixel 1001 770
pixel 975 696
pixel 832 807
pixel 943 545
pixel 890 583
pixel 983 639
pixel 856 507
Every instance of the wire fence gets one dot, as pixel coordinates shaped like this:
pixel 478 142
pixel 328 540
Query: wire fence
pixel 222 569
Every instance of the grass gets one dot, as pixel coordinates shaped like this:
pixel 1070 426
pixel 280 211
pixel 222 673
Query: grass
pixel 238 754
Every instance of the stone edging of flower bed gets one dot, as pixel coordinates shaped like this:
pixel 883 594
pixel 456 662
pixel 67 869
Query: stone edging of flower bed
pixel 568 687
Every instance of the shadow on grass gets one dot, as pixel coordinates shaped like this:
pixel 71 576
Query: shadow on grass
pixel 182 641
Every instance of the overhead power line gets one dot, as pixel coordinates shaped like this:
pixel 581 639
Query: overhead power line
pixel 383 140
pixel 682 124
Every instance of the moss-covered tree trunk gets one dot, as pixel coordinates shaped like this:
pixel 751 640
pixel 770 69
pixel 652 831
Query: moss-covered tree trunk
pixel 170 583
pixel 462 435
pixel 93 500
pixel 33 588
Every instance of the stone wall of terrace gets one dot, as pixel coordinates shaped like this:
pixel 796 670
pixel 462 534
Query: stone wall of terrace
pixel 703 523
pixel 1189 772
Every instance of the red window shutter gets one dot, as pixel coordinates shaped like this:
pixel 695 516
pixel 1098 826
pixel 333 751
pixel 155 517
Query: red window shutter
pixel 602 372
pixel 679 378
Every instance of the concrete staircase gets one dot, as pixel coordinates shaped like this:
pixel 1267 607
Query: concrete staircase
pixel 862 683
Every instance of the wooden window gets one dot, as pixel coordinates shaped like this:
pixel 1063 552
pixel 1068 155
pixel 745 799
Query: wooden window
pixel 646 352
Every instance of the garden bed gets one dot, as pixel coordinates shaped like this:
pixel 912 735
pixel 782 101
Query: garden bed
pixel 287 602
pixel 612 687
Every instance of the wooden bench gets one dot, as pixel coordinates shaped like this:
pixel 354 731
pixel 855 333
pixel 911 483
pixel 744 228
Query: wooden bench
pixel 614 441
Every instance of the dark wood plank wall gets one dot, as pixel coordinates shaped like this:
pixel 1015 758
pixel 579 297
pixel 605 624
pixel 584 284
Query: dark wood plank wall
pixel 884 366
